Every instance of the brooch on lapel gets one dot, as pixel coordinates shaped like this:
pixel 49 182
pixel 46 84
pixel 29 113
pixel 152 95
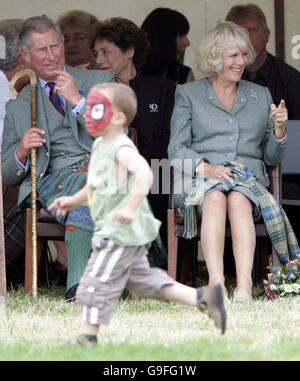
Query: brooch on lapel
pixel 253 94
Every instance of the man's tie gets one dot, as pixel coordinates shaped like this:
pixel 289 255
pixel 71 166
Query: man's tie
pixel 55 99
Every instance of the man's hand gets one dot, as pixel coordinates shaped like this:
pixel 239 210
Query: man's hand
pixel 66 85
pixel 280 116
pixel 32 138
pixel 124 215
pixel 62 205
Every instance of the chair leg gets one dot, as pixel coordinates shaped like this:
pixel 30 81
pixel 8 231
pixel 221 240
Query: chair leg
pixel 263 258
pixel 47 265
pixel 275 259
pixel 172 245
pixel 186 260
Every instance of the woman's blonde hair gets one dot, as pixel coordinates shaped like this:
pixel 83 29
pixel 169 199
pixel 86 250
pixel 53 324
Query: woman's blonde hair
pixel 218 40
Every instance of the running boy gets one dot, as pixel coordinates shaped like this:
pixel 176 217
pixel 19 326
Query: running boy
pixel 119 180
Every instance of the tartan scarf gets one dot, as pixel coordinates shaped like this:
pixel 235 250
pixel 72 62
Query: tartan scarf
pixel 278 226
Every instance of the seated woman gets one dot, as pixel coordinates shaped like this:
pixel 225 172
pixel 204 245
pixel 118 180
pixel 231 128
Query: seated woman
pixel 167 31
pixel 224 131
pixel 121 47
pixel 79 29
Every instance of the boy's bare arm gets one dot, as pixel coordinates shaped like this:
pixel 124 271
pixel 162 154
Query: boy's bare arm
pixel 133 162
pixel 66 203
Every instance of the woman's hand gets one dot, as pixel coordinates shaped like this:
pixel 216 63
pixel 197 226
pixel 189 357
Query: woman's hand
pixel 280 116
pixel 215 171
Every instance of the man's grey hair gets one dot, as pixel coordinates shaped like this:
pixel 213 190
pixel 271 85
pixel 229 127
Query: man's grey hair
pixel 37 24
pixel 9 32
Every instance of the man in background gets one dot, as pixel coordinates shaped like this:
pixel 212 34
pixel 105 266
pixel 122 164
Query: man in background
pixel 281 79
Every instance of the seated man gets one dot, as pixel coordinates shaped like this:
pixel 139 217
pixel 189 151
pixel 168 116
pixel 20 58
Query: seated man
pixel 62 142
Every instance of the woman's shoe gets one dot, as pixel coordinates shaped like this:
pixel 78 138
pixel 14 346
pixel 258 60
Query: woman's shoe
pixel 240 296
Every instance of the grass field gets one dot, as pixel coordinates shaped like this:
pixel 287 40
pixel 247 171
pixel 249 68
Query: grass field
pixel 45 329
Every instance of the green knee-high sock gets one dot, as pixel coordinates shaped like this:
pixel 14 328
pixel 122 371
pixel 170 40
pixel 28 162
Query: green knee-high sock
pixel 79 248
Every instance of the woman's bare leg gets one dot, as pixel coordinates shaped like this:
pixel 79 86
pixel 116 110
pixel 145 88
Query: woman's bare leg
pixel 214 210
pixel 243 238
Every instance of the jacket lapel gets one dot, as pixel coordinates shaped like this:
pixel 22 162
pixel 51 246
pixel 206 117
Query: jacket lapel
pixel 239 101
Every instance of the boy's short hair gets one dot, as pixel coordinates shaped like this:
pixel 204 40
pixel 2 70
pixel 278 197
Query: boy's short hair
pixel 123 98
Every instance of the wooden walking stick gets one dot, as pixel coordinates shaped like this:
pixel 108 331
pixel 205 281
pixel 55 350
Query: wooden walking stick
pixel 2 246
pixel 13 94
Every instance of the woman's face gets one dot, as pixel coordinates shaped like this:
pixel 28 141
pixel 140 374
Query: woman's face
pixel 110 57
pixel 234 62
pixel 182 42
pixel 77 46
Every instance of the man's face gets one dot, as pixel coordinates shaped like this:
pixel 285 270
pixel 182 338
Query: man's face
pixel 98 113
pixel 259 36
pixel 46 54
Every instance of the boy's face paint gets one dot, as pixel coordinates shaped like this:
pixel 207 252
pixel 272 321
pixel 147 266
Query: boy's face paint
pixel 98 113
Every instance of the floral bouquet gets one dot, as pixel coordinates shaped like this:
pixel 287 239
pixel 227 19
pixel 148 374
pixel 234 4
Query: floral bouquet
pixel 283 280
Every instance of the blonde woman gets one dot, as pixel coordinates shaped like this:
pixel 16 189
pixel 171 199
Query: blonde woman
pixel 222 125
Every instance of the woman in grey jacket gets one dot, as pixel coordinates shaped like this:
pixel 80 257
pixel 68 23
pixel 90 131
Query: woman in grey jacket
pixel 222 119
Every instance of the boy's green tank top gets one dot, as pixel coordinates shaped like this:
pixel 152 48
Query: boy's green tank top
pixel 108 192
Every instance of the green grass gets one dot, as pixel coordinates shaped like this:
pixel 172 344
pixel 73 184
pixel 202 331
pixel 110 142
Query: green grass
pixel 45 329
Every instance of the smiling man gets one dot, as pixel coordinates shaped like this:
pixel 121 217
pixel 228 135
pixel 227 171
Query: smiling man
pixel 62 142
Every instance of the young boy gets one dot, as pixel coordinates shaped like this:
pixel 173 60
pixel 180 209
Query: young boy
pixel 119 179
